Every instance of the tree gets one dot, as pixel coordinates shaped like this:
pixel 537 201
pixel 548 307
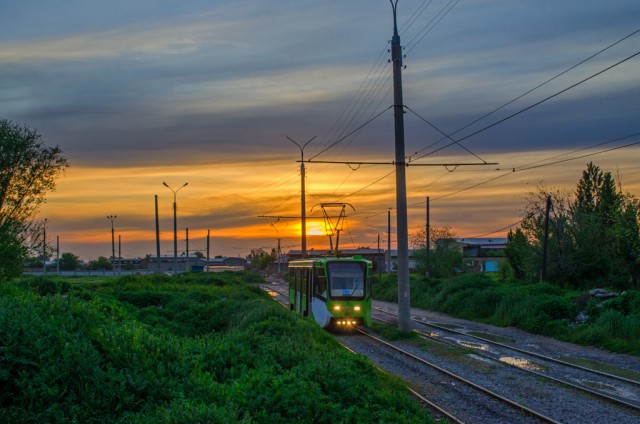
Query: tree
pixel 28 171
pixel 596 209
pixel 69 261
pixel 100 263
pixel 627 245
pixel 518 253
pixel 418 240
pixel 442 261
pixel 259 259
pixel 593 238
pixel 13 252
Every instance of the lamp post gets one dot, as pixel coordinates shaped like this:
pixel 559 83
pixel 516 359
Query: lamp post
pixel 303 213
pixel 175 225
pixel 113 241
pixel 44 247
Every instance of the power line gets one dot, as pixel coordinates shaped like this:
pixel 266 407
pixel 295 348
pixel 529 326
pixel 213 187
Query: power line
pixel 533 105
pixel 367 186
pixel 426 29
pixel 533 89
pixel 419 11
pixel 443 133
pixel 499 229
pixel 346 136
pixel 526 167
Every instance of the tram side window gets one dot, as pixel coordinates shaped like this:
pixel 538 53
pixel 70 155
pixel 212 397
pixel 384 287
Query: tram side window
pixel 321 283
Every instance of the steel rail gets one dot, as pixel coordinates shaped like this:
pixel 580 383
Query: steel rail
pixel 537 355
pixel 421 398
pixel 460 378
pixel 592 392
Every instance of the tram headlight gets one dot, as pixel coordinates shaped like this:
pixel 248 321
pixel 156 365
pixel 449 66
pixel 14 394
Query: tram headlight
pixel 336 307
pixel 356 308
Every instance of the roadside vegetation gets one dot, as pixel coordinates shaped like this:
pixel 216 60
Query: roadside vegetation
pixel 192 348
pixel 566 244
pixel 540 308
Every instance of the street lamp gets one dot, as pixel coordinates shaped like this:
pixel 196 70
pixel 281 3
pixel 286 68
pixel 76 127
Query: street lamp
pixel 175 225
pixel 303 214
pixel 113 241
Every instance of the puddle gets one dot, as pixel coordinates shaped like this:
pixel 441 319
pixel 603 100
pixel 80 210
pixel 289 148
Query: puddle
pixel 599 366
pixel 524 363
pixel 492 337
pixel 480 358
pixel 599 386
pixel 476 346
pixel 445 325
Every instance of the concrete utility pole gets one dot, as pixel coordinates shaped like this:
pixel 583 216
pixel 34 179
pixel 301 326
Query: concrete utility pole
pixel 186 267
pixel 175 225
pixel 404 304
pixel 543 273
pixel 119 254
pixel 428 229
pixel 44 247
pixel 303 206
pixel 113 242
pixel 58 255
pixel 208 246
pixel 389 241
pixel 157 235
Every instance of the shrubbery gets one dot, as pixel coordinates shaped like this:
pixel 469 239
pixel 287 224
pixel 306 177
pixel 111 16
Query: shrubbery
pixel 193 348
pixel 535 307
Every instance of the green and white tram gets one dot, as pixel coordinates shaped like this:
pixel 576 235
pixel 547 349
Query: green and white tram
pixel 332 291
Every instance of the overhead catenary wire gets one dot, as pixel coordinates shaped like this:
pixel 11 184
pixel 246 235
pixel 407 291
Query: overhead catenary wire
pixel 352 132
pixel 526 168
pixel 459 140
pixel 442 132
pixel 499 229
pixel 521 111
pixel 373 82
pixel 430 26
pixel 533 105
pixel 486 115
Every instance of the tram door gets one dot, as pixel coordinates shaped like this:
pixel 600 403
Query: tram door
pixel 302 283
pixel 299 272
pixel 308 290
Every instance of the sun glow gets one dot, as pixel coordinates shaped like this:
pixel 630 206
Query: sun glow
pixel 315 228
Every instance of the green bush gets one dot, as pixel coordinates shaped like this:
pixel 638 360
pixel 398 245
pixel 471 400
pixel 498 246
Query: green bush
pixel 179 349
pixel 535 307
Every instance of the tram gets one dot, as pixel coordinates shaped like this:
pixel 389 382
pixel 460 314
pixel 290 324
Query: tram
pixel 333 291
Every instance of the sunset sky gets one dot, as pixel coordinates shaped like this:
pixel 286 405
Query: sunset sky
pixel 139 92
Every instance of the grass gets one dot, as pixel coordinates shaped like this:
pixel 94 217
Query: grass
pixel 538 308
pixel 191 348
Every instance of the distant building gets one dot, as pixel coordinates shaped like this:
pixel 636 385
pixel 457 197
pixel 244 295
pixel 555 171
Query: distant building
pixel 412 260
pixel 478 254
pixel 227 262
pixel 169 264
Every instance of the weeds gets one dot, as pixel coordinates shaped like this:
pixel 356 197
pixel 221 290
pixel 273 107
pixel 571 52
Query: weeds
pixel 538 308
pixel 193 348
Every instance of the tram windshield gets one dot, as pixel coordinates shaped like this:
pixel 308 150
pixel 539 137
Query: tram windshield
pixel 346 279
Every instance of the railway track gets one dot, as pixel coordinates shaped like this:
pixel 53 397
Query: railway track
pixel 458 398
pixel 479 394
pixel 600 383
pixel 437 410
pixel 553 399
